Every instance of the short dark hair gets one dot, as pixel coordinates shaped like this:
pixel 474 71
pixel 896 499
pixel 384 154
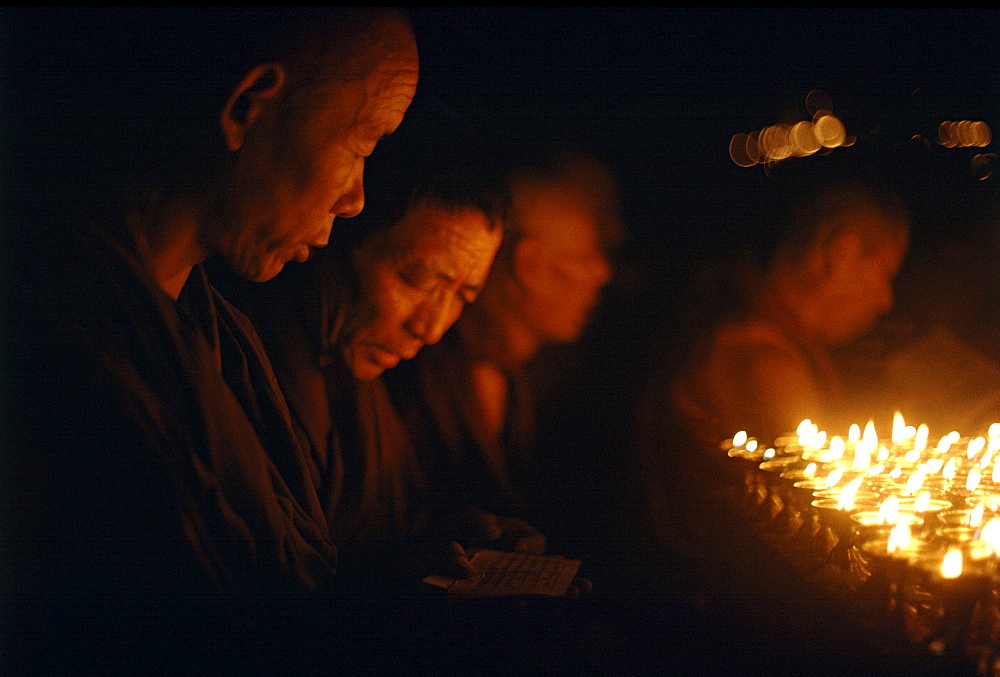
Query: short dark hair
pixel 434 157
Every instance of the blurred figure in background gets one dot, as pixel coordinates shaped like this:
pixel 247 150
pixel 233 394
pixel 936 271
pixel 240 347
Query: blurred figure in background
pixel 768 365
pixel 467 401
pixel 762 365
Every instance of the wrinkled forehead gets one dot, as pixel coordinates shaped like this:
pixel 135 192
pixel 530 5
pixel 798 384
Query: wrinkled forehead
pixel 429 231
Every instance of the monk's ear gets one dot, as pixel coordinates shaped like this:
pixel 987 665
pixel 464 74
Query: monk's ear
pixel 258 88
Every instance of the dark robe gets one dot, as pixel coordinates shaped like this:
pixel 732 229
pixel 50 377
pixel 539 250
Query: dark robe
pixel 359 454
pixel 149 528
pixel 464 467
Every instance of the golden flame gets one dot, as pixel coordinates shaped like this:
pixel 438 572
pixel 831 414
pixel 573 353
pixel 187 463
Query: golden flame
pixel 854 433
pixel 996 471
pixel 920 441
pixel 837 447
pixel 976 516
pixel 975 446
pixel 951 567
pixel 984 463
pixel 922 502
pixel 803 430
pixel 810 470
pixel 991 534
pixel 888 512
pixel 948 472
pixel 740 438
pixel 833 478
pixel 994 430
pixel 751 445
pixel 934 465
pixel 912 456
pixel 898 435
pixel 870 438
pixel 862 457
pixel 899 538
pixel 972 481
pixel 846 500
pixel 916 480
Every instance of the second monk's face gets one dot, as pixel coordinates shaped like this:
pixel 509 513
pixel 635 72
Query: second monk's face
pixel 413 283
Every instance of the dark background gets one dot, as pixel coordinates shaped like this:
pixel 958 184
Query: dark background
pixel 658 93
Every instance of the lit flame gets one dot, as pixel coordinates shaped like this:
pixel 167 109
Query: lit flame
pixel 991 534
pixel 810 470
pixel 898 429
pixel 996 471
pixel 934 465
pixel 883 453
pixel 846 500
pixel 769 453
pixel 876 469
pixel 994 431
pixel 837 447
pixel 972 481
pixel 943 445
pixel 922 502
pixel 833 478
pixel 916 480
pixel 899 538
pixel 895 472
pixel 751 445
pixel 888 512
pixel 870 438
pixel 854 433
pixel 920 441
pixel 975 446
pixel 987 458
pixel 804 431
pixel 976 516
pixel 740 438
pixel 949 470
pixel 862 457
pixel 951 567
pixel 912 456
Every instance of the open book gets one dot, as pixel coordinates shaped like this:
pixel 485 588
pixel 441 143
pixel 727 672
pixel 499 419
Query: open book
pixel 510 573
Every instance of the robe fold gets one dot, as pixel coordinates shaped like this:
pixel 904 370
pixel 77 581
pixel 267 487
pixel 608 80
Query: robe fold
pixel 160 509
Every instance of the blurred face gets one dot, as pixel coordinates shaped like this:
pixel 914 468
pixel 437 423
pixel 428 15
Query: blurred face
pixel 302 162
pixel 414 282
pixel 573 263
pixel 861 291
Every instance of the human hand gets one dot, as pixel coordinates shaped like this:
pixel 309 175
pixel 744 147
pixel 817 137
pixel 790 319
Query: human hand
pixel 474 527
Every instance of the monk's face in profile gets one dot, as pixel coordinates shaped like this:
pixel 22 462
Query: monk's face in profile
pixel 301 160
pixel 568 262
pixel 859 288
pixel 414 281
